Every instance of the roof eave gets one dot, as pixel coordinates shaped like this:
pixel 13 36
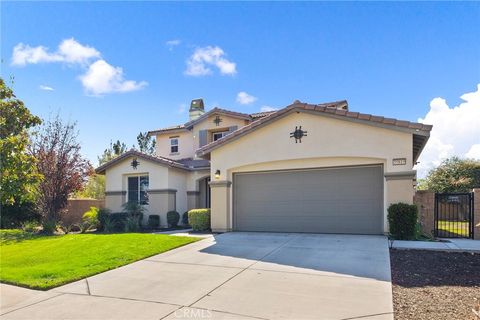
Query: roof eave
pixel 102 169
pixel 207 114
pixel 422 130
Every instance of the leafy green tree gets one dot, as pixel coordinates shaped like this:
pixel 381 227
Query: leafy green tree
pixel 146 143
pixel 422 184
pixel 113 151
pixel 454 175
pixel 18 174
pixel 94 188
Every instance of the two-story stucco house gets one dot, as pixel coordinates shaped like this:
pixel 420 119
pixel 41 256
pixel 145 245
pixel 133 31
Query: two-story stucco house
pixel 303 168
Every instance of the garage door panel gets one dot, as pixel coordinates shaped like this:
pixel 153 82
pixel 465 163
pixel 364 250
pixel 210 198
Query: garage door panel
pixel 340 200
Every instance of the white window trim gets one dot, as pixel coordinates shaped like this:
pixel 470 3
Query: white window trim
pixel 223 133
pixel 174 145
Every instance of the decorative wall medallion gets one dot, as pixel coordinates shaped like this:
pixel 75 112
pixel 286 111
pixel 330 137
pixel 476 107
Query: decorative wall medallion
pixel 298 134
pixel 135 163
pixel 217 120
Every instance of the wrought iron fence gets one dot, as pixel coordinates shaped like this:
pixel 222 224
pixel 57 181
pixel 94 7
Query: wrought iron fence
pixel 454 215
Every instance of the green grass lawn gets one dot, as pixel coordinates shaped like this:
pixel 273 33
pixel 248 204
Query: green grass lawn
pixel 42 262
pixel 459 228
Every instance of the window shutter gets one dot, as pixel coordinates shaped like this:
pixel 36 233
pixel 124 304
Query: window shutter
pixel 232 128
pixel 202 137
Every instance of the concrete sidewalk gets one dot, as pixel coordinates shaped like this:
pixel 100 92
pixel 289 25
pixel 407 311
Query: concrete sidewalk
pixel 233 276
pixel 456 245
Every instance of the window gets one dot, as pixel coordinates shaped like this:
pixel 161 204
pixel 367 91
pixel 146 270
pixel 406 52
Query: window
pixel 173 145
pixel 137 189
pixel 219 135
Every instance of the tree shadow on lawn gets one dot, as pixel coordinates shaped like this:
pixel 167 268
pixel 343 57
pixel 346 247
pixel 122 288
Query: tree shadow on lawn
pixel 422 268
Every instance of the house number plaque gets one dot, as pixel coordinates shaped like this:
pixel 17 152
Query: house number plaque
pixel 399 161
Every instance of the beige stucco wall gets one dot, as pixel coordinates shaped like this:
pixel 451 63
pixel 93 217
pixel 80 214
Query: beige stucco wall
pixel 220 221
pixel 178 180
pixel 329 143
pixel 188 141
pixel 185 145
pixel 114 202
pixel 194 177
pixel 162 180
pixel 116 176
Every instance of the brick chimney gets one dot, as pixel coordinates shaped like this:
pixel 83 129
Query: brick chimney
pixel 196 109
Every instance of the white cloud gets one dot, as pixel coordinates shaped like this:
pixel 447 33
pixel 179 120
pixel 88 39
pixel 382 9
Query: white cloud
pixel 46 88
pixel 69 51
pixel 456 131
pixel 474 152
pixel 267 109
pixel 245 98
pixel 102 78
pixel 172 43
pixel 99 78
pixel 202 59
pixel 74 52
pixel 182 108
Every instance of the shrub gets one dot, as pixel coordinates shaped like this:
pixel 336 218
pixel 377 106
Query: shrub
pixel 402 219
pixel 172 218
pixel 13 216
pixel 91 217
pixel 30 226
pixel 185 218
pixel 102 216
pixel 74 228
pixel 132 224
pixel 84 226
pixel 199 219
pixel 134 209
pixel 153 221
pixel 118 220
pixel 49 227
pixel 108 224
pixel 66 228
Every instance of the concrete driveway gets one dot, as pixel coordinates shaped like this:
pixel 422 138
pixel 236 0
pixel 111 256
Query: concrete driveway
pixel 232 276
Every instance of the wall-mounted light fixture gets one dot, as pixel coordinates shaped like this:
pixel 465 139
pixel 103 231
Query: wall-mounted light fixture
pixel 217 174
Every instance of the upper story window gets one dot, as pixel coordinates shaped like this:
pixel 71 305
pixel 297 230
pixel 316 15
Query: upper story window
pixel 219 135
pixel 174 145
pixel 137 189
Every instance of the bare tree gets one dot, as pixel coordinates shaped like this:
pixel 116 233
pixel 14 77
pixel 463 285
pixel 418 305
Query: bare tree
pixel 64 169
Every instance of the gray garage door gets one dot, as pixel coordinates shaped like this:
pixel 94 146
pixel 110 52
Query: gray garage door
pixel 335 200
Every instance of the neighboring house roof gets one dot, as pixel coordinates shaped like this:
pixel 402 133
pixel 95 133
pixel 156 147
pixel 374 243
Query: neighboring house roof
pixel 336 109
pixel 190 124
pixel 138 154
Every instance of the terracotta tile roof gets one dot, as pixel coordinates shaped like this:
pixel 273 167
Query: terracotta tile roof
pixel 189 124
pixel 336 109
pixel 135 153
pixel 217 110
pixel 167 129
pixel 259 115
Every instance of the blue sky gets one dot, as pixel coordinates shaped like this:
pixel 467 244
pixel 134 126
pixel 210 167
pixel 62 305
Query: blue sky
pixel 389 59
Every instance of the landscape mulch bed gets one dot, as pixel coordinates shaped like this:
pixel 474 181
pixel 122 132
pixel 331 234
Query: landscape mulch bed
pixel 435 285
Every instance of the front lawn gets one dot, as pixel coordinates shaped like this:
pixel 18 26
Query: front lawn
pixel 47 262
pixel 453 228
